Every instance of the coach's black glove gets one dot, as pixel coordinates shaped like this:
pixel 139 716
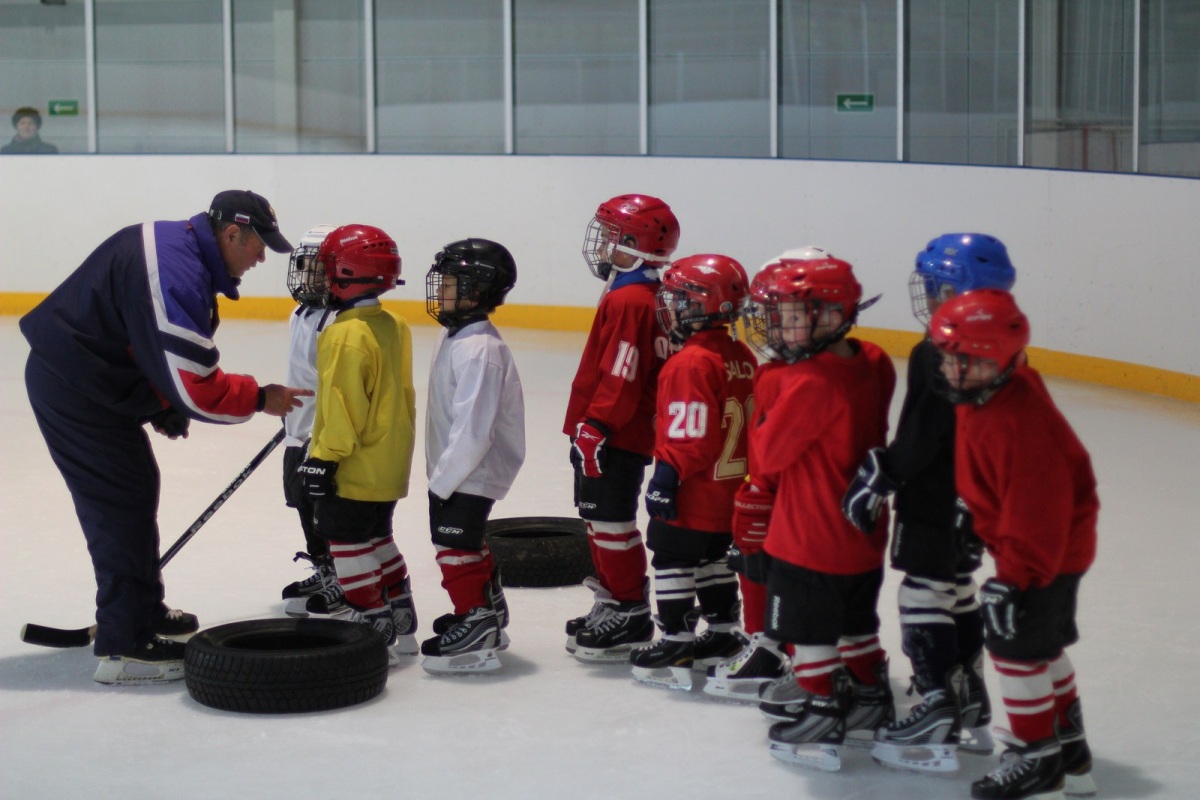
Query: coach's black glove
pixel 1001 607
pixel 868 490
pixel 170 423
pixel 660 492
pixel 317 474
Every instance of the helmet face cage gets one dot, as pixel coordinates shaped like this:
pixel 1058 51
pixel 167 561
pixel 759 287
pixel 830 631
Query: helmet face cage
pixel 701 291
pixel 306 279
pixel 821 286
pixel 600 240
pixel 483 271
pixel 954 264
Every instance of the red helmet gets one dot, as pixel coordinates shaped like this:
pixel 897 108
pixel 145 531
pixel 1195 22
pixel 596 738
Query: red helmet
pixel 636 224
pixel 358 260
pixel 704 290
pixel 818 283
pixel 983 324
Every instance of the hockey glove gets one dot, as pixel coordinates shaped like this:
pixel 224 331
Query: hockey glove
pixel 751 515
pixel 868 491
pixel 317 474
pixel 170 423
pixel 754 566
pixel 660 492
pixel 970 546
pixel 1001 608
pixel 588 447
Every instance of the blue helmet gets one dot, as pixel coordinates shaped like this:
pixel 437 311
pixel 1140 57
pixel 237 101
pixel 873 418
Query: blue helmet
pixel 954 264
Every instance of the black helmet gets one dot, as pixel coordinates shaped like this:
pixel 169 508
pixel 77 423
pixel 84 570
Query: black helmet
pixel 484 271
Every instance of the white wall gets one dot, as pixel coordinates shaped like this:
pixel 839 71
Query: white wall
pixel 1107 264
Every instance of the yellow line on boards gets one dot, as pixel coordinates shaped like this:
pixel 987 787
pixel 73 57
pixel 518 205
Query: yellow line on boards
pixel 1102 371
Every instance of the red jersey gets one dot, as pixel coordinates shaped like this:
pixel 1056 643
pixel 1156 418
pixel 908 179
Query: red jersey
pixel 618 372
pixel 705 396
pixel 813 423
pixel 1028 482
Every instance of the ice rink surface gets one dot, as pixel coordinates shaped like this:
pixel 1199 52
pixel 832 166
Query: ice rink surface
pixel 545 726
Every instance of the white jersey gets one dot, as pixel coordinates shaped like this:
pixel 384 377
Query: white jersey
pixel 475 416
pixel 305 324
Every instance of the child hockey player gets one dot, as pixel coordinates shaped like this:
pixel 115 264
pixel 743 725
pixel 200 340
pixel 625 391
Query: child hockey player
pixel 474 447
pixel 700 447
pixel 813 424
pixel 940 622
pixel 610 418
pixel 306 283
pixel 762 660
pixel 362 440
pixel 1028 483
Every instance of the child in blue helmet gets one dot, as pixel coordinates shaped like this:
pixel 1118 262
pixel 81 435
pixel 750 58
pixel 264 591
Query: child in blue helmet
pixel 940 621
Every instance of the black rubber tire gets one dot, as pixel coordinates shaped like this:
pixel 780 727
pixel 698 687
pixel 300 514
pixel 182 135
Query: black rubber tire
pixel 284 666
pixel 540 551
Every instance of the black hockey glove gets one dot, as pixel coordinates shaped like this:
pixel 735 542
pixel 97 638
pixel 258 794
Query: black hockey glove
pixel 754 566
pixel 1001 608
pixel 660 492
pixel 170 423
pixel 868 491
pixel 970 546
pixel 317 474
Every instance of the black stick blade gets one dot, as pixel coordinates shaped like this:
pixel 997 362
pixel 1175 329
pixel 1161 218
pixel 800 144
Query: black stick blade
pixel 57 637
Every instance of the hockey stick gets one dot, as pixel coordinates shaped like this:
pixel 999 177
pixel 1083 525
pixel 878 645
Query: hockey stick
pixel 45 636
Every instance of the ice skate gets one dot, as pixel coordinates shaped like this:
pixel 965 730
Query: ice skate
pixel 782 699
pixel 1076 755
pixel 976 736
pixel 667 662
pixel 600 597
pixel 1026 772
pixel 329 602
pixel 614 633
pixel 404 618
pixel 927 739
pixel 322 575
pixel 815 739
pixel 871 708
pixel 176 624
pixel 468 647
pixel 158 661
pixel 447 621
pixel 739 678
pixel 719 642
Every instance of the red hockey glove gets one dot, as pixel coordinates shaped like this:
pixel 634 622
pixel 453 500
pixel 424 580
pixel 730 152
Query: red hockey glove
pixel 589 448
pixel 751 514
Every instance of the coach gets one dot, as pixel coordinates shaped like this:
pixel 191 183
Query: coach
pixel 125 340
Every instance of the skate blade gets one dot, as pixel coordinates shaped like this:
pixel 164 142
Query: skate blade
pixel 406 645
pixel 921 759
pixel 666 677
pixel 825 757
pixel 504 640
pixel 571 645
pixel 606 655
pixel 743 691
pixel 473 663
pixel 116 671
pixel 977 741
pixel 1079 785
pixel 295 608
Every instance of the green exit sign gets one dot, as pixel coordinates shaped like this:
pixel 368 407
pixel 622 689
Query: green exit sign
pixel 855 102
pixel 63 108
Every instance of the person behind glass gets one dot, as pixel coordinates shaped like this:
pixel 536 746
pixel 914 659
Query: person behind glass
pixel 127 340
pixel 700 449
pixel 364 429
pixel 1028 485
pixel 27 140
pixel 940 621
pixel 763 659
pixel 474 448
pixel 610 419
pixel 813 424
pixel 320 592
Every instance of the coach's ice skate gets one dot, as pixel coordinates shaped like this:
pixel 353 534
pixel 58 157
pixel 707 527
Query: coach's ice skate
pixel 815 739
pixel 322 575
pixel 614 633
pixel 1027 772
pixel 667 662
pixel 740 677
pixel 467 647
pixel 976 736
pixel 600 597
pixel 927 739
pixel 1076 755
pixel 158 661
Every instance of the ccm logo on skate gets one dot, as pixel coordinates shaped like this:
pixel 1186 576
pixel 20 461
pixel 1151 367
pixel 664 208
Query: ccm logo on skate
pixel 587 505
pixel 450 531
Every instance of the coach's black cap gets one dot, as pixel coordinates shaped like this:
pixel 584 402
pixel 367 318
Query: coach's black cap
pixel 247 208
